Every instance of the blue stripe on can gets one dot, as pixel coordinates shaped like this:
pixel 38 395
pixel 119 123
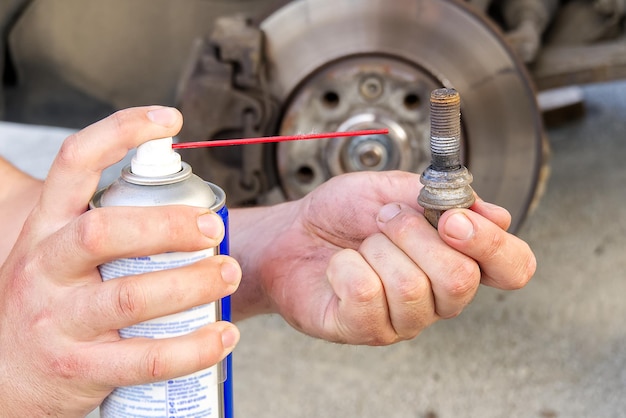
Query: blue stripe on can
pixel 226 316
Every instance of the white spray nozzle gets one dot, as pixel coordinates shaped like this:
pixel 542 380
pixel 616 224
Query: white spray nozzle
pixel 156 158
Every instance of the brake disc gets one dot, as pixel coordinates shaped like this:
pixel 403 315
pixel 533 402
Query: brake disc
pixel 366 64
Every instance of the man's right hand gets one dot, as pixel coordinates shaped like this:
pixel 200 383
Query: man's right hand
pixel 59 343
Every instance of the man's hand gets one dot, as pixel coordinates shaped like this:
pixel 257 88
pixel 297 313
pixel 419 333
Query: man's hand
pixel 356 262
pixel 59 343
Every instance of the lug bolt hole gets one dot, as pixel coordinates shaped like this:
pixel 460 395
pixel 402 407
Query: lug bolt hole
pixel 330 99
pixel 412 101
pixel 305 175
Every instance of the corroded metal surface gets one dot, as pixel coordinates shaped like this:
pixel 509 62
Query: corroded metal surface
pixel 446 181
pixel 502 132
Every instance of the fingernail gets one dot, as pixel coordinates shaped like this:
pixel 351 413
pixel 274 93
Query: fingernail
pixel 458 226
pixel 388 212
pixel 211 225
pixel 230 337
pixel 231 273
pixel 164 116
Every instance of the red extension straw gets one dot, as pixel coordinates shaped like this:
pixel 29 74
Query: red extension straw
pixel 267 139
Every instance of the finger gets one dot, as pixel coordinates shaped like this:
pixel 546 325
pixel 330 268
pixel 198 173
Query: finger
pixel 125 301
pixel 358 314
pixel 105 234
pixel 75 172
pixel 506 261
pixel 454 277
pixel 496 214
pixel 137 361
pixel 394 186
pixel 409 295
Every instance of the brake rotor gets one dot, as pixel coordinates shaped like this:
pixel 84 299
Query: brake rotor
pixel 367 64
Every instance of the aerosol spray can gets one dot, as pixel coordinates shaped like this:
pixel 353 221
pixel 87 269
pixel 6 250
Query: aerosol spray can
pixel 156 177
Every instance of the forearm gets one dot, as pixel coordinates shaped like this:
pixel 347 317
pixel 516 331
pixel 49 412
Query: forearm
pixel 253 232
pixel 18 194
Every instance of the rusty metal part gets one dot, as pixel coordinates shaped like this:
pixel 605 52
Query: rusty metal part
pixel 568 65
pixel 527 20
pixel 364 92
pixel 446 181
pixel 71 62
pixel 222 95
pixel 586 43
pixel 583 22
pixel 502 131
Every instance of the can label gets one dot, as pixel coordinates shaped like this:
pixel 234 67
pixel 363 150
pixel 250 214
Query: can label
pixel 207 393
pixel 192 396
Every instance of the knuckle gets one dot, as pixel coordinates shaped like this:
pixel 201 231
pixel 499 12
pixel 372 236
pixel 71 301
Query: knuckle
pixel 91 231
pixel 463 280
pixel 120 120
pixel 524 272
pixel 28 266
pixel 368 330
pixel 411 335
pixel 410 288
pixel 451 314
pixel 380 341
pixel 530 267
pixel 67 365
pixel 418 325
pixel 69 153
pixel 494 248
pixel 155 364
pixel 382 338
pixel 404 229
pixel 207 358
pixel 506 219
pixel 176 222
pixel 366 291
pixel 373 246
pixel 130 300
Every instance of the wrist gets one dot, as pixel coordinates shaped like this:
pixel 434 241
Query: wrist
pixel 254 233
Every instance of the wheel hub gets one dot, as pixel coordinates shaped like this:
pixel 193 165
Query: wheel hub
pixel 353 93
pixel 336 66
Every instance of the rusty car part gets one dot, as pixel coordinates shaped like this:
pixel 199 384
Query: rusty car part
pixel 320 52
pixel 446 180
pixel 228 69
pixel 527 20
pixel 586 43
pixel 360 92
pixel 71 62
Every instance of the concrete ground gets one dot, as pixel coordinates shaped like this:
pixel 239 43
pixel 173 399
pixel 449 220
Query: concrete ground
pixel 556 348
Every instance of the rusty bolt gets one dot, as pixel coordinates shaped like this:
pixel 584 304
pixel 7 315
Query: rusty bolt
pixel 446 181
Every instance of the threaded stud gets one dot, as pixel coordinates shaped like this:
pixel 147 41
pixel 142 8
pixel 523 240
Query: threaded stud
pixel 446 181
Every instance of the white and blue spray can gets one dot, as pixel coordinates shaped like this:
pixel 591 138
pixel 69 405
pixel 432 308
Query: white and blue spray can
pixel 157 177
